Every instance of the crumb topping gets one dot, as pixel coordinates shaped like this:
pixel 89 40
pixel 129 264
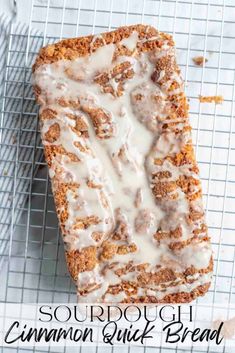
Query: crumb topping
pixel 117 140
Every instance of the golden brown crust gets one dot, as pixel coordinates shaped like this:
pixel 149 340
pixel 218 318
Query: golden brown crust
pixel 80 261
pixel 174 298
pixel 70 49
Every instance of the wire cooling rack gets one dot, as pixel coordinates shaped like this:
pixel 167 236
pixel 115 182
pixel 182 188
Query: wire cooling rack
pixel 32 256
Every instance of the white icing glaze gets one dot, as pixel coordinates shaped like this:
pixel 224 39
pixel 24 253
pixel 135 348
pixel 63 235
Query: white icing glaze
pixel 120 163
pixel 197 255
pixel 131 41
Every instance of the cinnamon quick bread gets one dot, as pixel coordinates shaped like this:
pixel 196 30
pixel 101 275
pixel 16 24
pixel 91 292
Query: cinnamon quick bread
pixel 117 140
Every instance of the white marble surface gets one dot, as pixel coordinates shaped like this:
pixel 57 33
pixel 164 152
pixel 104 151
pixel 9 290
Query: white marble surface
pixel 6 6
pixel 23 9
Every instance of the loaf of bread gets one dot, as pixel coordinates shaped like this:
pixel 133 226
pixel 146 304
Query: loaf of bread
pixel 117 141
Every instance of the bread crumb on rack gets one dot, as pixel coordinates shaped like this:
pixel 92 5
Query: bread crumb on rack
pixel 199 60
pixel 211 99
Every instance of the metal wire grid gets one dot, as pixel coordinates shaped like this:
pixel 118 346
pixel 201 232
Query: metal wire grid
pixel 36 270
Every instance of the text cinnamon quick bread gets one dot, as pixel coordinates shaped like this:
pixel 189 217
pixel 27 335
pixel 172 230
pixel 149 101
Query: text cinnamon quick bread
pixel 117 140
